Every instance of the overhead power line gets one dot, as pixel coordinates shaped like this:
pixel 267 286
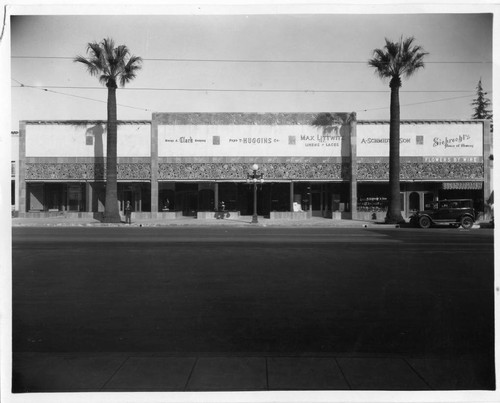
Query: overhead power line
pixel 21 85
pixel 416 103
pixel 256 60
pixel 243 89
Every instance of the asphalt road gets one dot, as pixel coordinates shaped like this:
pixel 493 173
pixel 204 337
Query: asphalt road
pixel 394 291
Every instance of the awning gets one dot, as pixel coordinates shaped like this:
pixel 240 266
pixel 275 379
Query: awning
pixel 462 185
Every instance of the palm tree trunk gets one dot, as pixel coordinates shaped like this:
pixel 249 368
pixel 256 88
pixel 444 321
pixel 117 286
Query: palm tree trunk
pixel 111 212
pixel 394 208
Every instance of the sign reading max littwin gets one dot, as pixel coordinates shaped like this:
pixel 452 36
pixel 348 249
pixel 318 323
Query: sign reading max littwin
pixel 251 141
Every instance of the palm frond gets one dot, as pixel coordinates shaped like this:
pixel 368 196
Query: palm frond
pixel 129 71
pixel 104 78
pixel 92 68
pixel 398 59
pixel 110 63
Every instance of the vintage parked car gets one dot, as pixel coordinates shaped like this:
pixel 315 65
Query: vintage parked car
pixel 453 212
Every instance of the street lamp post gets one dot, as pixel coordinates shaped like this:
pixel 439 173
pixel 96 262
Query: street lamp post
pixel 255 177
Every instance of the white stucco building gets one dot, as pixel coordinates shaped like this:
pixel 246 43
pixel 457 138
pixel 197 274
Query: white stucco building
pixel 326 164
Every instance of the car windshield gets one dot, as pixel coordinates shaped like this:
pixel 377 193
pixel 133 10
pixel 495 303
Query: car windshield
pixel 431 206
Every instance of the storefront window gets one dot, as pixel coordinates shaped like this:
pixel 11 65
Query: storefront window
pixel 280 197
pixel 206 200
pixel 138 194
pixel 372 197
pixel 75 198
pixel 414 201
pixel 55 196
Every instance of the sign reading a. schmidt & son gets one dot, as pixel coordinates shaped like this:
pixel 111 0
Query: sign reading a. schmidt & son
pixel 451 142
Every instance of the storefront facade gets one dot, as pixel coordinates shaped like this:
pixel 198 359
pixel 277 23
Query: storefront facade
pixel 325 165
pixel 62 167
pixel 204 160
pixel 438 160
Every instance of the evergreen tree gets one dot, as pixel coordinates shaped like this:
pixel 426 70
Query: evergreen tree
pixel 481 104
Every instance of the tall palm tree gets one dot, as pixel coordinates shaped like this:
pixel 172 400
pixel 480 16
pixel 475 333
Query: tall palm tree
pixel 113 66
pixel 394 61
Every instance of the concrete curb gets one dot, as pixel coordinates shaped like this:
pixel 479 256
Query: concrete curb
pixel 194 223
pixel 240 223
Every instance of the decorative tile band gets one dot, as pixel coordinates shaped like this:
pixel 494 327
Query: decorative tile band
pixel 238 171
pixel 193 171
pixel 422 171
pixel 85 171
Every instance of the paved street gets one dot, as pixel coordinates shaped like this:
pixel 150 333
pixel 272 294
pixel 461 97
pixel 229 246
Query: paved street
pixel 257 296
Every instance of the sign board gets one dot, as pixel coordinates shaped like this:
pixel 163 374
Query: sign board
pixel 67 140
pixel 434 142
pixel 251 141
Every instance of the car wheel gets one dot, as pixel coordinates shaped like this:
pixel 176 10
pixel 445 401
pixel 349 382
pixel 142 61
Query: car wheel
pixel 424 222
pixel 467 222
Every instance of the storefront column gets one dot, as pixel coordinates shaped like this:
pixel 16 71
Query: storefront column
pixel 22 169
pixel 310 197
pixel 353 169
pixel 488 169
pixel 216 196
pixel 291 196
pixel 88 197
pixel 154 168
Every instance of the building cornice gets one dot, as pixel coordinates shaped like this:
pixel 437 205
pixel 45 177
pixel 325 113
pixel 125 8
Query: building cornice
pixel 84 122
pixel 422 121
pixel 223 118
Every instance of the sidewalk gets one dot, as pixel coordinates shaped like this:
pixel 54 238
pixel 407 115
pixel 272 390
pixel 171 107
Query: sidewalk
pixel 94 372
pixel 242 221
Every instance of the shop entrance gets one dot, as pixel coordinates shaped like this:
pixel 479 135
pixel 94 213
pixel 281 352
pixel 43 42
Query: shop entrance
pixel 245 198
pixel 186 198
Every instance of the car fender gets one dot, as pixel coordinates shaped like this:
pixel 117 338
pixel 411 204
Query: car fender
pixel 425 215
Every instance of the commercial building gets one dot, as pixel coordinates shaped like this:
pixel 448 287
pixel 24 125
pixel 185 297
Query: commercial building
pixel 327 164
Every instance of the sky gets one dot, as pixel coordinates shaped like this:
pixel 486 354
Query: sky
pixel 309 61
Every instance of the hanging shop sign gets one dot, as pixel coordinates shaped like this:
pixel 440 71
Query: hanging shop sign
pixel 446 142
pixel 252 140
pixel 462 185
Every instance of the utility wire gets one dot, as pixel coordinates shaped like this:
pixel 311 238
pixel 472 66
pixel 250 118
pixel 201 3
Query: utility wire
pixel 243 89
pixel 21 85
pixel 254 61
pixel 416 103
pixel 76 96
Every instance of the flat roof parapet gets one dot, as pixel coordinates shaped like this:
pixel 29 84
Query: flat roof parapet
pixel 223 118
pixel 84 122
pixel 421 121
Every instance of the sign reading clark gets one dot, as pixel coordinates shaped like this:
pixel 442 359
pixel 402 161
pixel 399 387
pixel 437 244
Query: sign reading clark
pixel 251 140
pixel 450 142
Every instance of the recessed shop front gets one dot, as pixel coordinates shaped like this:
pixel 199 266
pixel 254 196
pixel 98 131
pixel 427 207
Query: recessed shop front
pixel 316 198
